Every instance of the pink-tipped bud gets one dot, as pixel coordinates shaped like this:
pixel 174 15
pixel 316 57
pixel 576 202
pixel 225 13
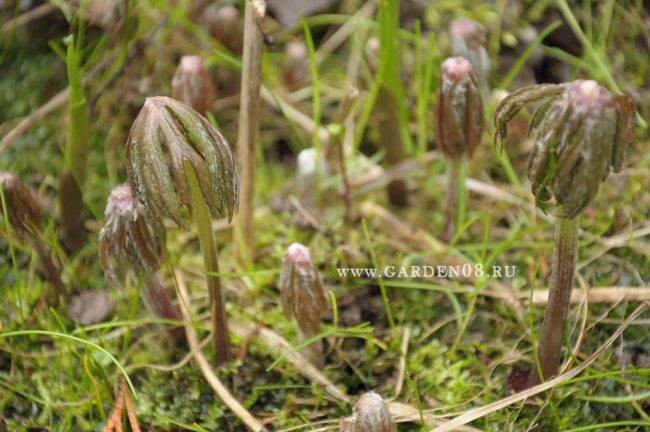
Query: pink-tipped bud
pixel 467 41
pixel 131 238
pixel 372 50
pixel 192 85
pixel 295 64
pixel 302 293
pixel 459 109
pixel 225 25
pixel 23 210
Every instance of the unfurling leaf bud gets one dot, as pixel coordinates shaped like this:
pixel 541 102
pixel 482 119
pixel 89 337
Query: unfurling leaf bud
pixel 23 210
pixel 131 239
pixel 302 294
pixel 459 109
pixel 582 131
pixel 468 41
pixel 192 85
pixel 370 415
pixel 164 135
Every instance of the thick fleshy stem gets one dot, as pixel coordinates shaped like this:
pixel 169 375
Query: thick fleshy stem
pixel 455 210
pixel 210 260
pixel 563 266
pixel 157 300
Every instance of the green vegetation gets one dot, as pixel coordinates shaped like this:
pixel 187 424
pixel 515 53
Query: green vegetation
pixel 439 345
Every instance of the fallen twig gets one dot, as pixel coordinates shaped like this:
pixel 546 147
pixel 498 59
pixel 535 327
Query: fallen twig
pixel 594 295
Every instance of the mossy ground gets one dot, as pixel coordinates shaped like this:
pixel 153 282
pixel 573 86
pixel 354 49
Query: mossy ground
pixel 462 345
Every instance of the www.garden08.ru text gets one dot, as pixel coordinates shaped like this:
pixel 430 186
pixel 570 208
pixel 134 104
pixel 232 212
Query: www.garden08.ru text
pixel 452 272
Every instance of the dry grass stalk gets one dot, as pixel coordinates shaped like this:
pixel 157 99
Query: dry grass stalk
pixel 476 413
pixel 249 120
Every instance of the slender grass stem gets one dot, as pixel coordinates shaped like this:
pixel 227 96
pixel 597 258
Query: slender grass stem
pixel 552 335
pixel 210 260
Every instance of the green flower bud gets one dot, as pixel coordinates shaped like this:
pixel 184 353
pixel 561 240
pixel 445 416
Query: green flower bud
pixel 164 135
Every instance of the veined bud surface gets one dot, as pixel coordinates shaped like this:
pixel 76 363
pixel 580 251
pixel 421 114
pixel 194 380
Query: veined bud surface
pixel 459 109
pixel 302 293
pixel 582 131
pixel 131 238
pixel 23 209
pixel 165 136
pixel 371 415
pixel 192 85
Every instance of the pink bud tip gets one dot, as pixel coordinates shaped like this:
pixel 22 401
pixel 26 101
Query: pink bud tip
pixel 120 200
pixel 456 68
pixel 589 94
pixel 297 254
pixel 464 28
pixel 191 64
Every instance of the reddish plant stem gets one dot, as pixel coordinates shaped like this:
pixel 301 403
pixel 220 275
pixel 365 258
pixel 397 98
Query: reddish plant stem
pixel 453 189
pixel 389 125
pixel 552 335
pixel 160 304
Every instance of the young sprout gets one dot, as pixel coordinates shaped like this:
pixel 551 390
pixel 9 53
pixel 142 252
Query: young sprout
pixel 295 64
pixel 167 130
pixel 306 163
pixel 468 41
pixel 134 240
pixel 225 24
pixel 370 415
pixel 192 85
pixel 582 131
pixel 23 214
pixel 460 123
pixel 303 297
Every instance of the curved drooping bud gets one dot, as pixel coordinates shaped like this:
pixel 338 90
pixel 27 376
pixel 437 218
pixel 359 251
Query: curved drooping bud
pixel 467 39
pixel 459 109
pixel 582 131
pixel 23 210
pixel 131 238
pixel 192 85
pixel 302 293
pixel 166 134
pixel 370 415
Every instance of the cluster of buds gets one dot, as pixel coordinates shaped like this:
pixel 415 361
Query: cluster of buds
pixel 192 85
pixel 468 41
pixel 303 296
pixel 459 109
pixel 370 415
pixel 582 131
pixel 167 124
